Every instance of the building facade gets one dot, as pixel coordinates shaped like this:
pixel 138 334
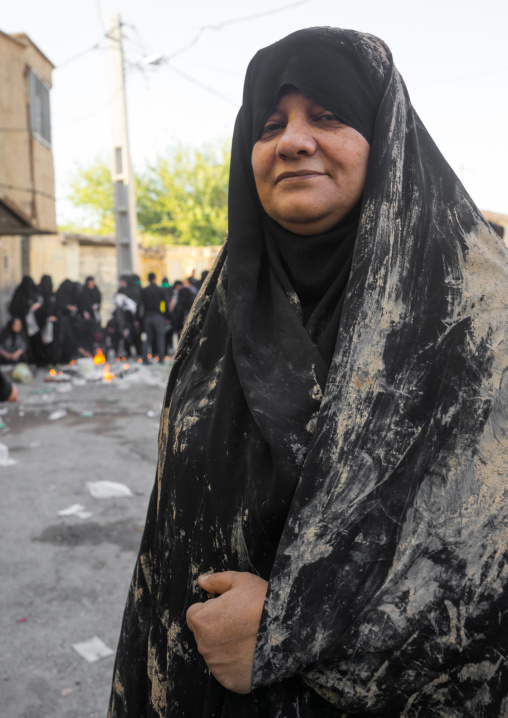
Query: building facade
pixel 27 183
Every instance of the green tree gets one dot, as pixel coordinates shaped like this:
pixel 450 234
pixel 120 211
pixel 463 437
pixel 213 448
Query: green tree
pixel 181 197
pixel 91 194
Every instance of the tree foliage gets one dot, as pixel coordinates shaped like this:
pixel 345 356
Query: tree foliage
pixel 181 196
pixel 91 194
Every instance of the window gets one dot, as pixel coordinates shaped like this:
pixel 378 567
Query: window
pixel 118 160
pixel 40 122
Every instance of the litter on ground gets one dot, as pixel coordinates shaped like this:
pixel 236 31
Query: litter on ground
pixel 93 650
pixel 108 490
pixel 75 510
pixel 58 414
pixel 4 456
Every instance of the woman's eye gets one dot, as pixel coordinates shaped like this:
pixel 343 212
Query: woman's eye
pixel 328 117
pixel 271 127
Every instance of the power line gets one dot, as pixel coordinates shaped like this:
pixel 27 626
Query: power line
pixel 222 70
pixel 96 46
pixel 245 18
pixel 91 114
pixel 99 14
pixel 138 39
pixel 31 190
pixel 203 86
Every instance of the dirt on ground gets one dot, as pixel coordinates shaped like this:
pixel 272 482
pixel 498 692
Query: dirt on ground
pixel 64 579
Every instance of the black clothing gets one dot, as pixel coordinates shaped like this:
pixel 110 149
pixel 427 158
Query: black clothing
pixel 152 296
pixel 184 301
pixel 155 327
pixel 11 342
pixel 5 387
pixel 153 299
pixel 44 353
pixel 133 289
pixel 75 331
pixel 126 315
pixel 25 295
pixel 87 298
pixel 367 483
pixel 67 296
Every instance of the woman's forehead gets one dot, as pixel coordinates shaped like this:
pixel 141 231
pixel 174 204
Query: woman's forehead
pixel 288 92
pixel 332 67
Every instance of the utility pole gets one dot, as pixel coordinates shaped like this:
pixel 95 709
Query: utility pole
pixel 123 177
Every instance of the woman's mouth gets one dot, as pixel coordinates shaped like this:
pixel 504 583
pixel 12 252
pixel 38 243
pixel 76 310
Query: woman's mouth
pixel 299 175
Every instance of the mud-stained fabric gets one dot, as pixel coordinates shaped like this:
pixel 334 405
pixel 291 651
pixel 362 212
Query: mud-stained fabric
pixel 371 492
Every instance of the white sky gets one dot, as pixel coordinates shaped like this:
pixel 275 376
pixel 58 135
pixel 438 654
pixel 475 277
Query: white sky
pixel 453 55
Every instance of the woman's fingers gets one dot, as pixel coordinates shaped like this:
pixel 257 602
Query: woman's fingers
pixel 225 628
pixel 191 612
pixel 217 582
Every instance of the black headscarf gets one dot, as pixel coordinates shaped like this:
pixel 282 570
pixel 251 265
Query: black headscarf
pixel 369 490
pixel 67 295
pixel 88 297
pixel 46 287
pixel 25 295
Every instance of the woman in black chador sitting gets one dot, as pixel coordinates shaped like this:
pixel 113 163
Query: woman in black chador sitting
pixel 327 535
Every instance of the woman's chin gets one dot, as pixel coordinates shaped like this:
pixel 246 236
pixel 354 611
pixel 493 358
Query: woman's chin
pixel 306 223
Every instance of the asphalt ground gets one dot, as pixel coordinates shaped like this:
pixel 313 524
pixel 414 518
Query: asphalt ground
pixel 64 580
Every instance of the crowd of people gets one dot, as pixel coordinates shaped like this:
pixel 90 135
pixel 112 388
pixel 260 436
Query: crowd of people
pixel 49 326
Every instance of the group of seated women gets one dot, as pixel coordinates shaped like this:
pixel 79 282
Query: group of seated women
pixel 48 327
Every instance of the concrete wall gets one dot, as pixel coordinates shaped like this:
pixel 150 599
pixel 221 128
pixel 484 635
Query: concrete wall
pixel 49 255
pixel 67 256
pixel 10 273
pixel 176 261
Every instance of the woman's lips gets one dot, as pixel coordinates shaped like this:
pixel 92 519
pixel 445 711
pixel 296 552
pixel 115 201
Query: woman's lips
pixel 301 174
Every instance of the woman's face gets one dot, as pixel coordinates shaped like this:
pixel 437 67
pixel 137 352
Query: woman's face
pixel 309 167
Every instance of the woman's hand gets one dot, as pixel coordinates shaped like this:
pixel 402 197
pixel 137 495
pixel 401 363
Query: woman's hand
pixel 225 628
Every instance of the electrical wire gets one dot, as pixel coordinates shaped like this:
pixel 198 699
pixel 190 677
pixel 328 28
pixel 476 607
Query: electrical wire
pixel 96 46
pixel 245 18
pixel 203 86
pixel 91 114
pixel 222 70
pixel 28 189
pixel 138 39
pixel 99 15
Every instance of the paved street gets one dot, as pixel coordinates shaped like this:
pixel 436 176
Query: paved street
pixel 64 580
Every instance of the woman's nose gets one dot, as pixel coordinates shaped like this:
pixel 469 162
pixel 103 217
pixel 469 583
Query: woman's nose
pixel 297 139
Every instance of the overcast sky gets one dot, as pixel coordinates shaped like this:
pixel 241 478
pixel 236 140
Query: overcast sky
pixel 453 55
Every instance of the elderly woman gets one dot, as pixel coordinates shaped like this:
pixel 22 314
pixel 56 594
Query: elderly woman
pixel 327 532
